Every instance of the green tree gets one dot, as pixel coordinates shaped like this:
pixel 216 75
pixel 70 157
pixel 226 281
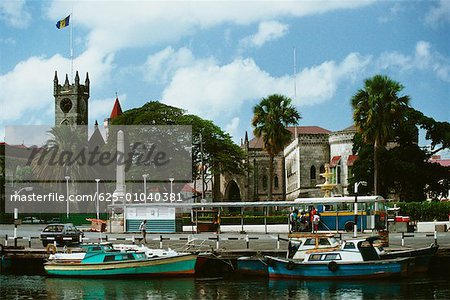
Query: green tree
pixel 377 111
pixel 220 153
pixel 270 119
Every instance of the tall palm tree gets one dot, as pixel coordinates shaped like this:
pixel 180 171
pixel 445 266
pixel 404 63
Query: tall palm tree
pixel 270 119
pixel 377 111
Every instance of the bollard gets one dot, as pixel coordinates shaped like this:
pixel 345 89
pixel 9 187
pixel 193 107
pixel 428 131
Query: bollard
pixel 29 241
pixel 217 242
pixel 435 238
pixel 15 241
pixel 278 242
pixel 132 239
pixel 106 237
pixel 160 242
pixel 6 240
pixel 247 241
pixel 403 239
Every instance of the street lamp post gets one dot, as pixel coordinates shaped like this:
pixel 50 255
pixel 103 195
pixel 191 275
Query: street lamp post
pixel 67 196
pixel 97 180
pixel 16 211
pixel 355 225
pixel 171 184
pixel 145 186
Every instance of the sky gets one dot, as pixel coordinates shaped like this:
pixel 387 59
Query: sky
pixel 218 59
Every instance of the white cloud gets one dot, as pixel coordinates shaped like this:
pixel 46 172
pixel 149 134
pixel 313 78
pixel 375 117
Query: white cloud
pixel 439 14
pixel 215 91
pixel 160 66
pixel 267 32
pixel 14 13
pixel 392 13
pixel 232 127
pixel 8 41
pixel 423 58
pixel 156 22
pixel 25 90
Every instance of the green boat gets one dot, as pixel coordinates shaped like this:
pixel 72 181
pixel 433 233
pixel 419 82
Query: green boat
pixel 104 261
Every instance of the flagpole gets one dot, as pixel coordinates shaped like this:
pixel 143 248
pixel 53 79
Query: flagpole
pixel 71 45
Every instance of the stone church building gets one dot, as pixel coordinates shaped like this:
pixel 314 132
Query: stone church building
pixel 296 170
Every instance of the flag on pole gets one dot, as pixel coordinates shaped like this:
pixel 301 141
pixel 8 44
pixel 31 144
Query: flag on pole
pixel 63 23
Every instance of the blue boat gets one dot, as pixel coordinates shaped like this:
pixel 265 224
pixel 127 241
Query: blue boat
pixel 356 259
pixel 299 244
pixel 103 261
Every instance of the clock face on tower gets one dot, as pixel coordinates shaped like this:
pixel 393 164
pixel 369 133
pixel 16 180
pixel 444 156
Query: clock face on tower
pixel 65 105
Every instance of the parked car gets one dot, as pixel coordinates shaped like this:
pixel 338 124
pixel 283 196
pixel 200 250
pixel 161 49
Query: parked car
pixel 31 220
pixel 63 234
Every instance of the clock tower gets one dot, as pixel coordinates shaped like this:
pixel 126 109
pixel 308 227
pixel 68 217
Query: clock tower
pixel 71 101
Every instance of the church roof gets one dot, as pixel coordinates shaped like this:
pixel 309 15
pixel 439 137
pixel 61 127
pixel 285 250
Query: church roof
pixel 117 110
pixel 258 142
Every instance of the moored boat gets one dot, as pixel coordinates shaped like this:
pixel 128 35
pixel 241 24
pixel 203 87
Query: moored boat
pixel 299 244
pixel 421 256
pixel 103 260
pixel 355 259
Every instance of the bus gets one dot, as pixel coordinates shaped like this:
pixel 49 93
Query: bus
pixel 338 213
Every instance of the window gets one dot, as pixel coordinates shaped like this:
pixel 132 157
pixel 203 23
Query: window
pixel 312 173
pixel 108 258
pixel 324 242
pixel 310 242
pixel 322 169
pixel 349 246
pixel 333 256
pixel 315 257
pixel 264 181
pixel 275 182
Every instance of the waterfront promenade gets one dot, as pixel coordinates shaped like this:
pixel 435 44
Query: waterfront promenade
pixel 229 239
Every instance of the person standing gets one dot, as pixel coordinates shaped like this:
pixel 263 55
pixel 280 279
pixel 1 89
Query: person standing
pixel 143 230
pixel 312 213
pixel 293 220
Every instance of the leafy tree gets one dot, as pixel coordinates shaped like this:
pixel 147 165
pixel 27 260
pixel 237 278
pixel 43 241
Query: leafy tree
pixel 220 154
pixel 270 119
pixel 408 172
pixel 377 113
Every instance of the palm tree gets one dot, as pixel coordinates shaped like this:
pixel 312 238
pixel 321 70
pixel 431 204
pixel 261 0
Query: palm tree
pixel 377 111
pixel 270 119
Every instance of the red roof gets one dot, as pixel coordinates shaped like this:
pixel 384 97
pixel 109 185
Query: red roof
pixel 117 110
pixel 442 162
pixel 334 161
pixel 351 160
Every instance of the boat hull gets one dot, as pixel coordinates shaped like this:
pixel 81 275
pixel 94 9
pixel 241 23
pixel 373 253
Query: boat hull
pixel 282 268
pixel 421 257
pixel 253 266
pixel 171 266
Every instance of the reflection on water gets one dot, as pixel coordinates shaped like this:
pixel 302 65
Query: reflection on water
pixel 40 287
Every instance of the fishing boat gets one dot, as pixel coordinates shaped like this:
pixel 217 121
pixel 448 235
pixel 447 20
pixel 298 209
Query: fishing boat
pixel 299 244
pixel 421 256
pixel 104 260
pixel 355 259
pixel 78 256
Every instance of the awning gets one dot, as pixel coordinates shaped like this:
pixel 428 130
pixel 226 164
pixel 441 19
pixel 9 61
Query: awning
pixel 351 160
pixel 335 161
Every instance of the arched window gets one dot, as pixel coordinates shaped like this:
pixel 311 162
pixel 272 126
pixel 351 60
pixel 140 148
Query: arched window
pixel 322 169
pixel 312 173
pixel 275 182
pixel 264 182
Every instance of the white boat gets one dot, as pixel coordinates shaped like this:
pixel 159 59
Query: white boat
pixel 149 253
pixel 354 259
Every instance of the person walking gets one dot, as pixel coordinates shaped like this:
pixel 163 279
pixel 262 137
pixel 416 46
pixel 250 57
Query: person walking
pixel 293 220
pixel 143 230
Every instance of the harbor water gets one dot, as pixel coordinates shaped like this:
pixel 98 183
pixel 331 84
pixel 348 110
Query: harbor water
pixel 428 286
